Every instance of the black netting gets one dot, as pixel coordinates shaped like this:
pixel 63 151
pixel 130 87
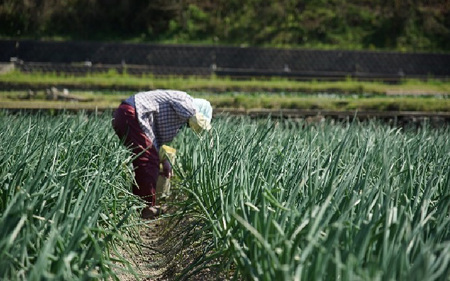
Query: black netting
pixel 82 57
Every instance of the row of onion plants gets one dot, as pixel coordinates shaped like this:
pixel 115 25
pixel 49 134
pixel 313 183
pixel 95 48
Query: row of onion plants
pixel 283 200
pixel 66 212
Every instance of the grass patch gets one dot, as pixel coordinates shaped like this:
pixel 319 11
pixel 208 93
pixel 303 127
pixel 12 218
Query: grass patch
pixel 113 79
pixel 230 100
pixel 273 93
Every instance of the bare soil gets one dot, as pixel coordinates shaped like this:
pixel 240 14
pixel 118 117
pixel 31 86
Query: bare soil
pixel 164 256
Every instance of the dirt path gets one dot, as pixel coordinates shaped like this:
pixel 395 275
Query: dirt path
pixel 164 256
pixel 149 263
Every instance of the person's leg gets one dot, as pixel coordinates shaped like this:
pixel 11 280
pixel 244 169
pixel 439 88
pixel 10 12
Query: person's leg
pixel 146 164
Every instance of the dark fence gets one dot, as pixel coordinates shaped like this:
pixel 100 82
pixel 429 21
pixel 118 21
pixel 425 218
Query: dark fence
pixel 82 57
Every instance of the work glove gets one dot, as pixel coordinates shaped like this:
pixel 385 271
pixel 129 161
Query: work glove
pixel 198 122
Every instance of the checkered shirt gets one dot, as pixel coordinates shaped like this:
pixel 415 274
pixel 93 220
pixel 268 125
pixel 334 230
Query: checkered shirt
pixel 161 113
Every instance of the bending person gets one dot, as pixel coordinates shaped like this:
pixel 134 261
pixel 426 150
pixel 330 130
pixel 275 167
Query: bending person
pixel 147 120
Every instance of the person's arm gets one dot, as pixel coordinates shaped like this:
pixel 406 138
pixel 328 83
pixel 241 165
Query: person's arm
pixel 183 106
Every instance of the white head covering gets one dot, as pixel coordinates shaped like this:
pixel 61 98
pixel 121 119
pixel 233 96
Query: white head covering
pixel 204 107
pixel 202 118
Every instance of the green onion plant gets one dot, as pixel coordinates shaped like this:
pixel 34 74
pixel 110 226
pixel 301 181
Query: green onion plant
pixel 66 211
pixel 287 200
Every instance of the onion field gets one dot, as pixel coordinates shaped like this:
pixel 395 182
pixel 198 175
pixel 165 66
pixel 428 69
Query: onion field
pixel 267 200
pixel 281 201
pixel 64 203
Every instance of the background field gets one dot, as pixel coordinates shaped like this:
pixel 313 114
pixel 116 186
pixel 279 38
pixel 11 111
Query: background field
pixel 110 88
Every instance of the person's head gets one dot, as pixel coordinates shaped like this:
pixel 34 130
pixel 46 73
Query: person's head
pixel 202 117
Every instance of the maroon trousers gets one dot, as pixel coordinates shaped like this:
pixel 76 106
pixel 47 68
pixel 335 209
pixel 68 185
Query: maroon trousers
pixel 146 162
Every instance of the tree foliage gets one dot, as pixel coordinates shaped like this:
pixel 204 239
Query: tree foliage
pixel 410 25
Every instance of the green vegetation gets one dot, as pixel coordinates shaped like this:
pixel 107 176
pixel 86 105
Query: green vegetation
pixel 282 201
pixel 409 95
pixel 242 101
pixel 260 200
pixel 345 24
pixel 328 102
pixel 66 212
pixel 112 80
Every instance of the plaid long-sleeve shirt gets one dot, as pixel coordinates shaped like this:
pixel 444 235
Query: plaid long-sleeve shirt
pixel 161 113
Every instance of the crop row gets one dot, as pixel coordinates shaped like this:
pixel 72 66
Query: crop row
pixel 283 201
pixel 66 212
